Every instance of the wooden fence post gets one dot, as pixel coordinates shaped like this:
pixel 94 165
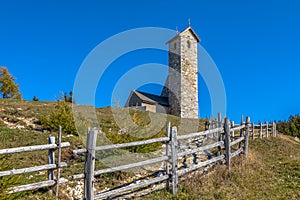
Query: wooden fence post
pixel 90 165
pixel 227 142
pixel 51 159
pixel 168 135
pixel 260 131
pixel 219 133
pixel 253 131
pixel 242 119
pixel 241 131
pixel 247 136
pixel 174 157
pixel 232 125
pixel 58 159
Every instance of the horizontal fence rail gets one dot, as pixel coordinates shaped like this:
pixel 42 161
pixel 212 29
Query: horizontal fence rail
pixel 204 133
pixel 131 187
pixel 50 167
pixel 202 164
pixel 123 145
pixel 31 169
pixel 188 152
pixel 33 148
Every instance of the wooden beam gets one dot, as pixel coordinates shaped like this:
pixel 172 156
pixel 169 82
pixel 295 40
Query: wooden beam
pixel 32 186
pixel 247 136
pixel 203 133
pixel 142 184
pixel 31 169
pixel 202 164
pixel 123 145
pixel 33 148
pixel 174 145
pixel 58 159
pixel 168 135
pixel 51 158
pixel 90 165
pixel 227 142
pixel 203 148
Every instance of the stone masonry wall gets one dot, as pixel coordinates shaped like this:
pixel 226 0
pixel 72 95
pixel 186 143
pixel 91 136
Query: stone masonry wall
pixel 174 78
pixel 189 76
pixel 182 82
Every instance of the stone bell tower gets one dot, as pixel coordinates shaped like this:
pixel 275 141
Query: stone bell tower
pixel 182 84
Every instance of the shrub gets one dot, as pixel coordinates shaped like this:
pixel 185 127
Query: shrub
pixel 61 115
pixel 5 181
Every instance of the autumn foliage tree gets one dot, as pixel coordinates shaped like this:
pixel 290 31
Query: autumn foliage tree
pixel 8 87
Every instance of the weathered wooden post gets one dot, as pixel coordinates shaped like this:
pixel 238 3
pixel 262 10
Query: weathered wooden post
pixel 227 142
pixel 261 130
pixel 51 159
pixel 246 137
pixel 174 159
pixel 58 159
pixel 241 131
pixel 253 131
pixel 219 133
pixel 90 165
pixel 209 123
pixel 232 125
pixel 168 135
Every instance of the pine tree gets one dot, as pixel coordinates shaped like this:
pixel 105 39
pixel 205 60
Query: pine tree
pixel 70 99
pixel 35 98
pixel 8 87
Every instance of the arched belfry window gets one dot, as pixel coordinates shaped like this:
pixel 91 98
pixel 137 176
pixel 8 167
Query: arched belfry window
pixel 175 45
pixel 188 44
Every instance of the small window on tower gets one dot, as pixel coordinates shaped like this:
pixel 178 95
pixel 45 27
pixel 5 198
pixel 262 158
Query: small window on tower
pixel 188 44
pixel 174 45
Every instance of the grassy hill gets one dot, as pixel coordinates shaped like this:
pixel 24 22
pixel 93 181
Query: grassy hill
pixel 272 170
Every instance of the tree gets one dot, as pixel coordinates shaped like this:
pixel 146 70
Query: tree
pixel 8 87
pixel 35 98
pixel 68 99
pixel 290 127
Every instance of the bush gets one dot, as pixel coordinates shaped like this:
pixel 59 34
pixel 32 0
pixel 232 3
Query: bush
pixel 5 181
pixel 62 116
pixel 290 127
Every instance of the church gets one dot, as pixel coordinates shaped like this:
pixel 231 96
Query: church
pixel 179 96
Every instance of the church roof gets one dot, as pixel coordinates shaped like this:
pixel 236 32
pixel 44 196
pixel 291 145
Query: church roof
pixel 152 98
pixel 187 29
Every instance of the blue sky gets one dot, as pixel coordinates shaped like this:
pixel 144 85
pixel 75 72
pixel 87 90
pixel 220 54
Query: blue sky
pixel 255 45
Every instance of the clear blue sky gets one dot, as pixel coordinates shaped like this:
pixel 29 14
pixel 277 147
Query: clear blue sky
pixel 255 44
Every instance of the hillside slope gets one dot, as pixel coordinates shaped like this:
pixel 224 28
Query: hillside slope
pixel 272 171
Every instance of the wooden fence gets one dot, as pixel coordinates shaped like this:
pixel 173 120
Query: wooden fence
pixel 229 140
pixel 228 146
pixel 51 166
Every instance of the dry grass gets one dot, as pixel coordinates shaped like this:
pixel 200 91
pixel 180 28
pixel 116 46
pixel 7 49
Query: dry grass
pixel 271 171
